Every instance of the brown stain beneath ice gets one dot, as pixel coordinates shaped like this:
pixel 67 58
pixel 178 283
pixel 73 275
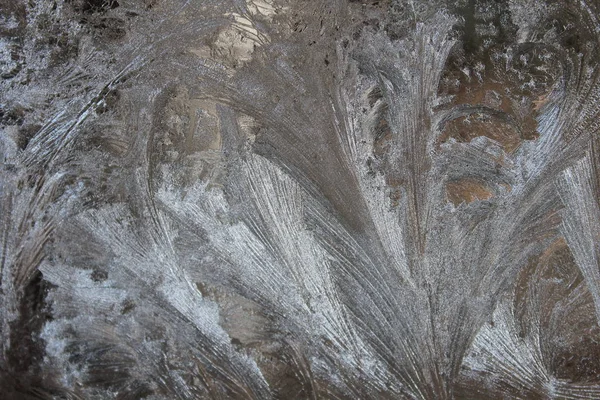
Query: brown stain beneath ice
pixel 465 129
pixel 493 95
pixel 490 84
pixel 467 191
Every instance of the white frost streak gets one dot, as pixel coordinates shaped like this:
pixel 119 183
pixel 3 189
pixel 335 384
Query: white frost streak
pixel 154 262
pixel 508 359
pixel 581 219
pixel 277 258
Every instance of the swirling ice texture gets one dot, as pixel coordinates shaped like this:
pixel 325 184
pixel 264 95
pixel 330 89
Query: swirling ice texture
pixel 299 199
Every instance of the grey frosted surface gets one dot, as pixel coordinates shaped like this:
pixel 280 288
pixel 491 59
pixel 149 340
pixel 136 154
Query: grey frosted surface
pixel 299 199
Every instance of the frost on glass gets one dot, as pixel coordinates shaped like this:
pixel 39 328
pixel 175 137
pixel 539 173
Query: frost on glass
pixel 299 199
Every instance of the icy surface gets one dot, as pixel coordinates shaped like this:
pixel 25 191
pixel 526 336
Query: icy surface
pixel 299 199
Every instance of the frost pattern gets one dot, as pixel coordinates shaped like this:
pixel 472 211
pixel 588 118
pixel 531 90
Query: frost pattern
pixel 281 199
